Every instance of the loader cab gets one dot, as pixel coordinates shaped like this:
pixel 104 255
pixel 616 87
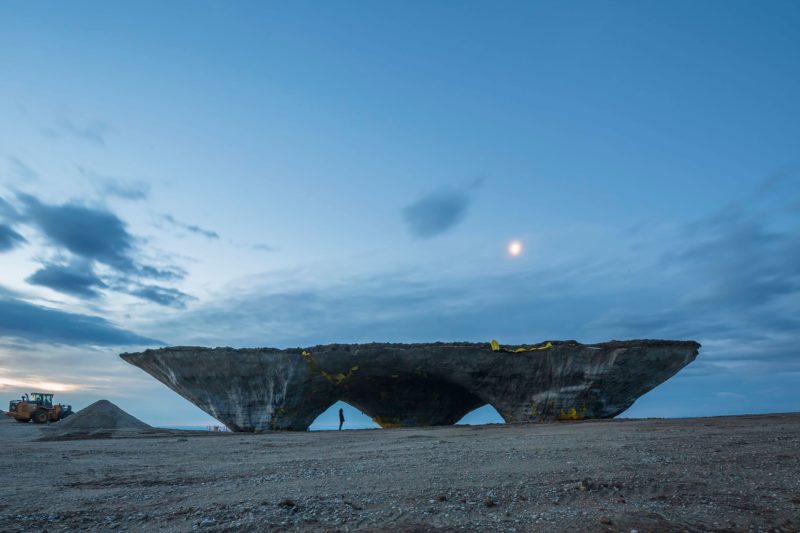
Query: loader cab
pixel 42 399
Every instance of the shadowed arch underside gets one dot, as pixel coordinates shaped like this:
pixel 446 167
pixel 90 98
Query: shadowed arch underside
pixel 403 385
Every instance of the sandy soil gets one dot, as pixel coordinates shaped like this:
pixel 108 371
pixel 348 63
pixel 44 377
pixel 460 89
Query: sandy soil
pixel 713 474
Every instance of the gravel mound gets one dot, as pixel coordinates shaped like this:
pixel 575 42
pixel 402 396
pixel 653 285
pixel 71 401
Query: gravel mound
pixel 102 419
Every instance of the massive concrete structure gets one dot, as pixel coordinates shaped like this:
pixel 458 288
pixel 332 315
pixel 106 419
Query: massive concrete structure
pixel 414 384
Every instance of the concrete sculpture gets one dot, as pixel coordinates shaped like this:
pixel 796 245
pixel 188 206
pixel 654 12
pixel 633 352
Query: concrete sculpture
pixel 415 384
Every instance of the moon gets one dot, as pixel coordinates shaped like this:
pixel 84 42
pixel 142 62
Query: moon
pixel 514 248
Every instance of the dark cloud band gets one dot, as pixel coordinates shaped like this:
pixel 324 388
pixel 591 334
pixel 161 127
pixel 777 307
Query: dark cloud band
pixel 75 279
pixel 23 320
pixel 191 228
pixel 9 239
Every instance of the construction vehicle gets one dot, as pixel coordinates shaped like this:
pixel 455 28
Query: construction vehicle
pixel 38 407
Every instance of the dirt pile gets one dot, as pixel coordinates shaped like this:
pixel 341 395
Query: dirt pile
pixel 102 419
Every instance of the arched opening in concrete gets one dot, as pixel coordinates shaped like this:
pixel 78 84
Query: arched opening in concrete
pixel 411 399
pixel 354 418
pixel 485 414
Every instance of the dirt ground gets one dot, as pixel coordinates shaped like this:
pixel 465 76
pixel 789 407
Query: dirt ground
pixel 707 474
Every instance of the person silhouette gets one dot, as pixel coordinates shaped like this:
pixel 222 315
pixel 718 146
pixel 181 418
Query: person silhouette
pixel 341 418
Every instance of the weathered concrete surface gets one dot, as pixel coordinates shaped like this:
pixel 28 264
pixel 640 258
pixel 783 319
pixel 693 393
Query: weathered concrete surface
pixel 414 384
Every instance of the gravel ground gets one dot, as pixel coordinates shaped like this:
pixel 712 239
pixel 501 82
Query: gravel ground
pixel 706 474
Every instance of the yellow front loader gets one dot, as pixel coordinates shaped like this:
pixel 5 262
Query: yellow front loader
pixel 37 407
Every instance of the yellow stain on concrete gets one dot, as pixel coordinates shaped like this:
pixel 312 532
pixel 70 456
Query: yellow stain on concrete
pixel 387 422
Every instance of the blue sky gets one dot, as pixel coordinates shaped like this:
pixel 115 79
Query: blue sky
pixel 265 174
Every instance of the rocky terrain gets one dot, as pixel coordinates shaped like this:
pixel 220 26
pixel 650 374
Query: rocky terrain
pixel 708 474
pixel 413 385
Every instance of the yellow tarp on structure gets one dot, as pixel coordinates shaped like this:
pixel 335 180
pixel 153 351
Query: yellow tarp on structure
pixel 497 348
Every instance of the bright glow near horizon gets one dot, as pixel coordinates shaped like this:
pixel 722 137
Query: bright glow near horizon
pixel 514 248
pixel 36 386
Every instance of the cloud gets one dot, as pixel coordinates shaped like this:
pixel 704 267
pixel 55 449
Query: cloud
pixel 109 186
pixel 403 306
pixel 161 295
pixel 263 248
pixel 94 132
pixel 23 320
pixel 773 182
pixel 745 264
pixel 9 239
pixel 169 273
pixel 96 235
pixel 22 170
pixel 76 279
pixel 730 280
pixel 207 233
pixel 436 213
pixel 7 211
pixel 88 232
